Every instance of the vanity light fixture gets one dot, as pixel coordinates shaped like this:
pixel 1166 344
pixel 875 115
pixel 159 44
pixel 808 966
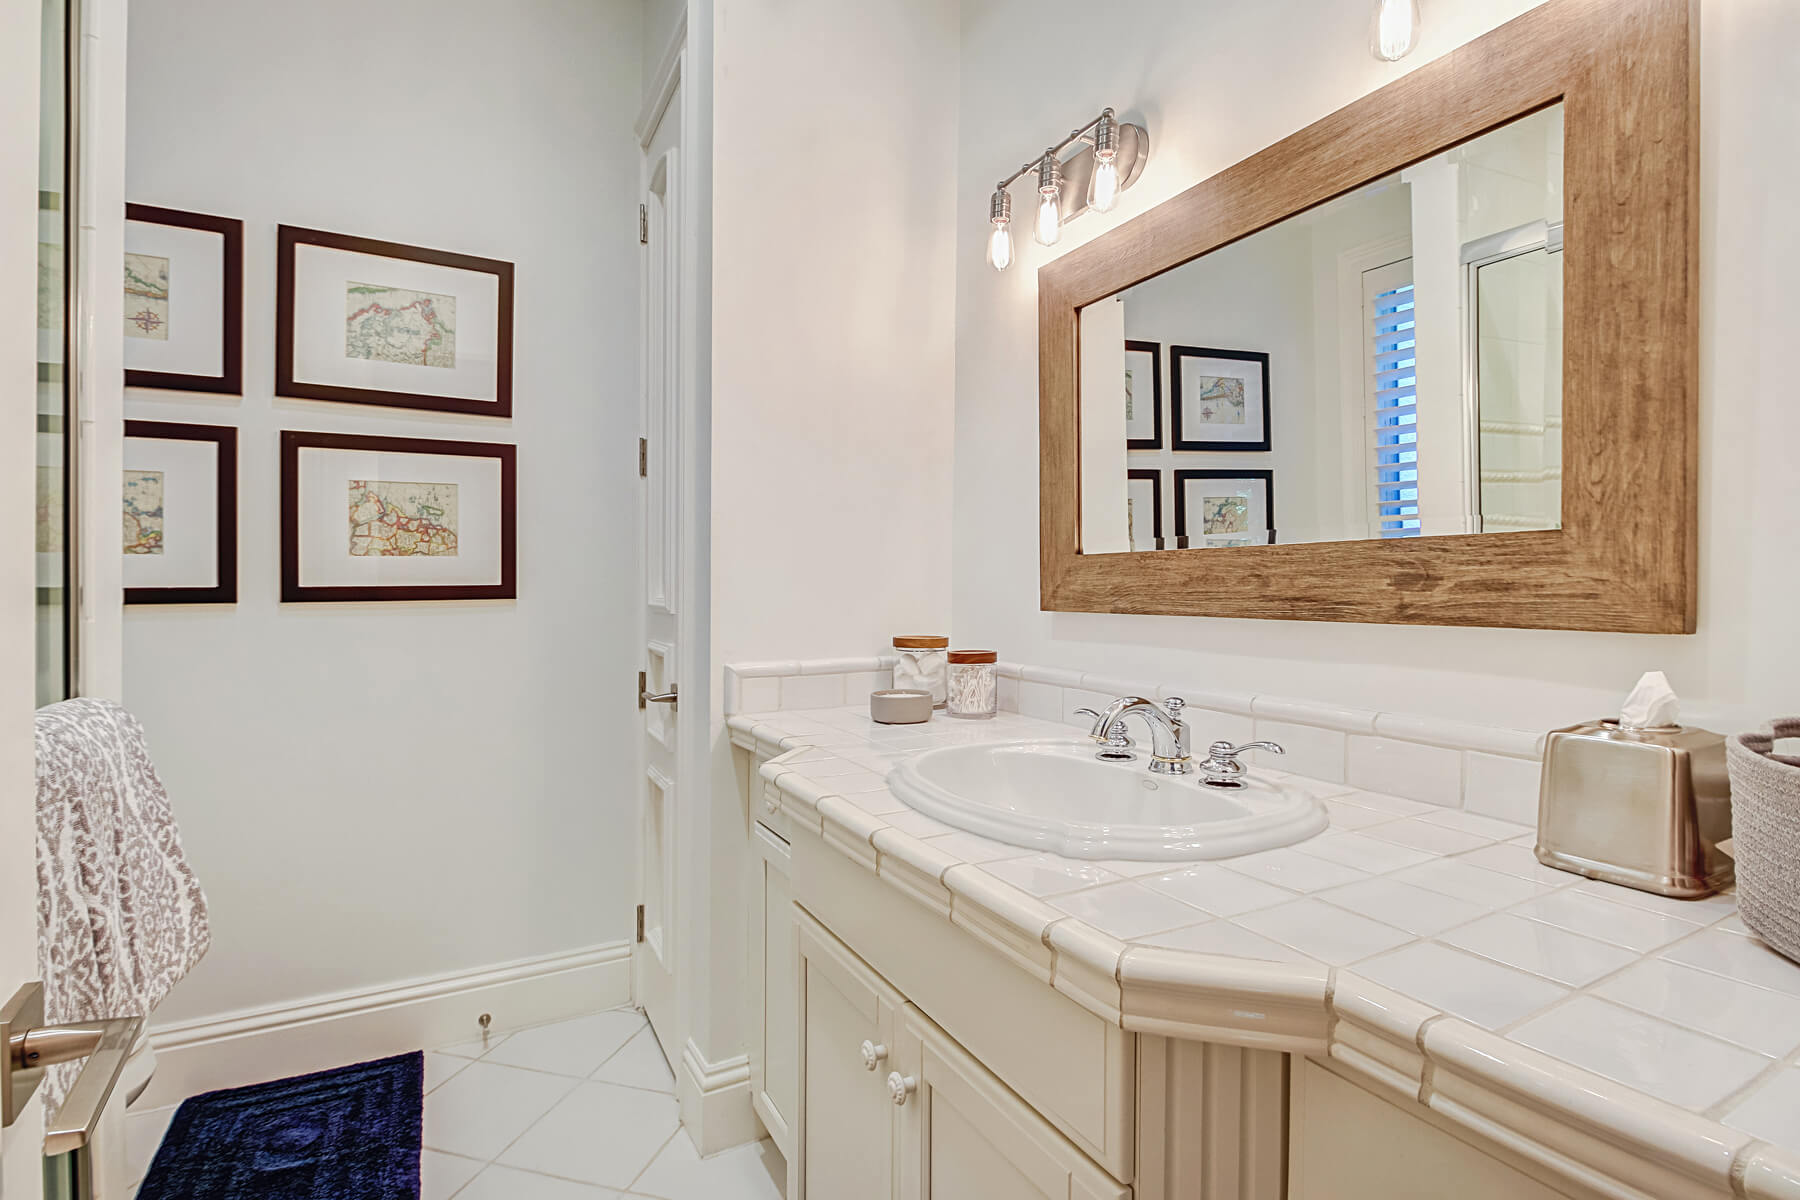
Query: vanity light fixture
pixel 1394 30
pixel 1111 158
pixel 1000 241
pixel 1049 217
pixel 1103 186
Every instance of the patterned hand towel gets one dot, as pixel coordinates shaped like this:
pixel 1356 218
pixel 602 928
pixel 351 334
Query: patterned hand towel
pixel 121 917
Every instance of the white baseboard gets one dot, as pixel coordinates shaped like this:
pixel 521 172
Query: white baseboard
pixel 715 1101
pixel 328 1031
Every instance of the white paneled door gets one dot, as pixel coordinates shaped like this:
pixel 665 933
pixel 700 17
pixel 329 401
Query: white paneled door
pixel 659 460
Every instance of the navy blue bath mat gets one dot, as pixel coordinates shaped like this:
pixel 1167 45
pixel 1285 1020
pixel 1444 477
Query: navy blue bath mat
pixel 347 1134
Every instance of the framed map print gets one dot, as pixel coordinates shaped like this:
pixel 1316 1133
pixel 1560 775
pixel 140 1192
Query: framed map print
pixel 1143 508
pixel 184 301
pixel 388 518
pixel 179 513
pixel 367 322
pixel 1224 508
pixel 1143 396
pixel 1220 398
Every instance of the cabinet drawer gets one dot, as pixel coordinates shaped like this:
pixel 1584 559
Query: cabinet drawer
pixel 1065 1062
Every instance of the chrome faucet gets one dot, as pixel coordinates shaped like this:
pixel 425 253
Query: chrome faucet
pixel 1169 735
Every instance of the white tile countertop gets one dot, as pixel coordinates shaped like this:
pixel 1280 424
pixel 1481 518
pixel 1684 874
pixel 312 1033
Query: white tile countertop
pixel 1422 945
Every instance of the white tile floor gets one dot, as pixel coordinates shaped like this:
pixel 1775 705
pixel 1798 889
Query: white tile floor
pixel 579 1110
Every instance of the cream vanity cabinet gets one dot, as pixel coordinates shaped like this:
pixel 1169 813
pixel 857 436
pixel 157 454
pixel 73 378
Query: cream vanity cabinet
pixel 891 1106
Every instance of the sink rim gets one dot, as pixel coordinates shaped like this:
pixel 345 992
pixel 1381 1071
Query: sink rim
pixel 1201 841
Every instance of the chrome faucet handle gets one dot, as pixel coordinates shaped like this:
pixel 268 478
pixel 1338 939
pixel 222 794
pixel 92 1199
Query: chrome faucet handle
pixel 1223 768
pixel 1118 743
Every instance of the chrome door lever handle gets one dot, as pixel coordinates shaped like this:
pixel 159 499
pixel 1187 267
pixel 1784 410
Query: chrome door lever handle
pixel 671 697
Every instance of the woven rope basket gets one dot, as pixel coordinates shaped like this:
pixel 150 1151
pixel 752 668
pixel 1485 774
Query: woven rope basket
pixel 1765 828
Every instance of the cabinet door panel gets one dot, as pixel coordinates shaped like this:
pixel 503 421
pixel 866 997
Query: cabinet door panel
pixel 775 1023
pixel 965 1136
pixel 1351 1144
pixel 847 1116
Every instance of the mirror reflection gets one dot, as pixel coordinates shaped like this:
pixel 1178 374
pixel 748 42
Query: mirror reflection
pixel 1385 365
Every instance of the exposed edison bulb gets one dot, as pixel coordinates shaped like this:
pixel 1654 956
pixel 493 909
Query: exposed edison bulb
pixel 1000 246
pixel 1049 218
pixel 1103 188
pixel 1395 29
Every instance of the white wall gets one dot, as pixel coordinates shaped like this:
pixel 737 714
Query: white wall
pixel 834 240
pixel 1215 83
pixel 372 793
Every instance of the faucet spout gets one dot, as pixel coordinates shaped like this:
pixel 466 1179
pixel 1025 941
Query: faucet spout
pixel 1170 739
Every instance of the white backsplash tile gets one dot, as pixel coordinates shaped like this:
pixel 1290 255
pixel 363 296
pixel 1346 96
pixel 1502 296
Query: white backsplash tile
pixel 1216 725
pixel 1305 712
pixel 758 693
pixel 1311 751
pixel 1429 774
pixel 812 691
pixel 1506 788
pixel 1040 700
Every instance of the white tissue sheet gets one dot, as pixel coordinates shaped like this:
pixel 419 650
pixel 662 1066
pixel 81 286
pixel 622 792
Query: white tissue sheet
pixel 1652 702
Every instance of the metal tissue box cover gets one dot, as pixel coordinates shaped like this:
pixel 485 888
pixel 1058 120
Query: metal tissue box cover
pixel 1646 808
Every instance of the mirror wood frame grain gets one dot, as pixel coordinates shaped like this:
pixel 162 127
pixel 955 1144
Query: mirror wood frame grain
pixel 1626 557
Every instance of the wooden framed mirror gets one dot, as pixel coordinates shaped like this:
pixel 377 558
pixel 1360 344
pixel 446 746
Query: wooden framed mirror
pixel 1455 323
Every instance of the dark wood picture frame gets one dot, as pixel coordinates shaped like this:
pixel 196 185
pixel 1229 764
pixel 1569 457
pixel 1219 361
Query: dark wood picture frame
pixel 1154 475
pixel 288 237
pixel 1154 350
pixel 293 441
pixel 1176 354
pixel 1625 559
pixel 1186 475
pixel 226 438
pixel 230 379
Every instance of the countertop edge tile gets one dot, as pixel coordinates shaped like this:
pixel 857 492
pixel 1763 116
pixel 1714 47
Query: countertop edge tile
pixel 1086 966
pixel 1534 1102
pixel 1212 997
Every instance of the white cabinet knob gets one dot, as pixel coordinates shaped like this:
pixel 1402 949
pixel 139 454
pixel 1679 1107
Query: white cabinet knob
pixel 901 1086
pixel 872 1054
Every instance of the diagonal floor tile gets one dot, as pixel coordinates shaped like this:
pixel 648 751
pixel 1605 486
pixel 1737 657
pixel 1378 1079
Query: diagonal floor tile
pixel 504 1183
pixel 754 1172
pixel 639 1064
pixel 484 1107
pixel 441 1174
pixel 599 1133
pixel 569 1047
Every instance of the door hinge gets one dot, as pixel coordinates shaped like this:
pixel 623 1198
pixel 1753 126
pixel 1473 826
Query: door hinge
pixel 643 225
pixel 643 458
pixel 640 923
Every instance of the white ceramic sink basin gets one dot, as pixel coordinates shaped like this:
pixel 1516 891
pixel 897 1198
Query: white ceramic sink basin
pixel 1053 795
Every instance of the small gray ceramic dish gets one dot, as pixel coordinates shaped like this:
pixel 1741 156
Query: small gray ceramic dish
pixel 900 706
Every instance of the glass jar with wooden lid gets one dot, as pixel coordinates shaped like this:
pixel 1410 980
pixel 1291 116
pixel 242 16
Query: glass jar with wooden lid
pixel 919 662
pixel 974 691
